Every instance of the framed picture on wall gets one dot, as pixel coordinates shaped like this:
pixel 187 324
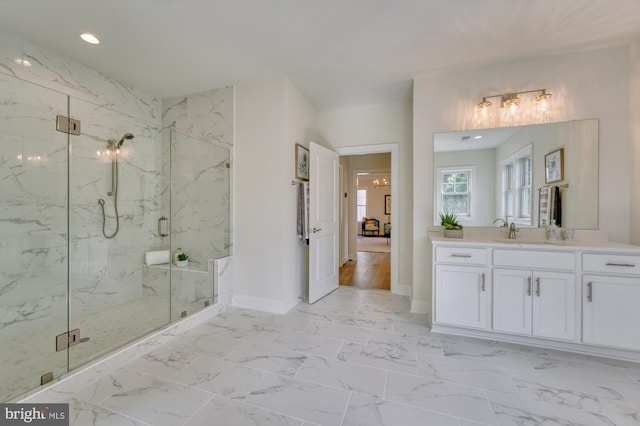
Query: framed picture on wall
pixel 554 166
pixel 302 162
pixel 387 204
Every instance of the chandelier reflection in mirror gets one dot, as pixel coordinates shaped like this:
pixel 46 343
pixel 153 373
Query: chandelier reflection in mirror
pixel 515 108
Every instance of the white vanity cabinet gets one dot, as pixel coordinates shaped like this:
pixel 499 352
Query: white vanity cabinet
pixel 611 300
pixel 534 303
pixel 534 293
pixel 575 296
pixel 461 288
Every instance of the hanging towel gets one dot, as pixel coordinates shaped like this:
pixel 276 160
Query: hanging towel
pixel 556 205
pixel 544 217
pixel 303 211
pixel 550 207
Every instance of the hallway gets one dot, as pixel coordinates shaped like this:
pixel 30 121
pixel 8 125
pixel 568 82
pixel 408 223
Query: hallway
pixel 371 270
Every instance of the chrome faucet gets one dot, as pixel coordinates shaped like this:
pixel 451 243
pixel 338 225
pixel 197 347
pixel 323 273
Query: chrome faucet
pixel 512 231
pixel 504 222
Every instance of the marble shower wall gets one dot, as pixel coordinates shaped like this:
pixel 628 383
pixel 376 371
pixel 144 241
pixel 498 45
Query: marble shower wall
pixel 105 274
pixel 200 127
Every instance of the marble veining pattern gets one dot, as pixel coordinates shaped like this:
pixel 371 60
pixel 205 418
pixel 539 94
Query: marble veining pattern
pixel 255 368
pixel 45 174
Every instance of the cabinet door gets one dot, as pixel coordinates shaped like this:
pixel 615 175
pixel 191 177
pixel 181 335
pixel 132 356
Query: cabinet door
pixel 461 296
pixel 512 289
pixel 554 305
pixel 611 311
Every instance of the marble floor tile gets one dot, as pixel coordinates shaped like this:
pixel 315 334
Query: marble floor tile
pixel 407 342
pixel 221 411
pixel 108 385
pixel 83 413
pixel 356 357
pixel 574 369
pixel 505 359
pixel 268 358
pixel 618 402
pixel 516 410
pixel 369 411
pixel 204 343
pixel 163 362
pixel 379 356
pixel 308 343
pixel 343 375
pixel 296 398
pixel 407 327
pixel 220 377
pixel 157 401
pixel 339 331
pixel 435 395
pixel 465 373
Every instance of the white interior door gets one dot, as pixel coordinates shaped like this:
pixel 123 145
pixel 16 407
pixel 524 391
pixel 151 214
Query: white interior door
pixel 323 221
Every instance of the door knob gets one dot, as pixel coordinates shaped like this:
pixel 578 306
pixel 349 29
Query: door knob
pixel 314 230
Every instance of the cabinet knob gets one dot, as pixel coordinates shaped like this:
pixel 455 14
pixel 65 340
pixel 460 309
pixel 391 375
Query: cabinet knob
pixel 590 292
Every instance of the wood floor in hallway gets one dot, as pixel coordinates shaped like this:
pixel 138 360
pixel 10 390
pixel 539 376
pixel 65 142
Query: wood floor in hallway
pixel 370 270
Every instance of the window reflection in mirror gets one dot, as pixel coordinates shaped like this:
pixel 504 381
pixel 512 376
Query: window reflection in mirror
pixel 508 171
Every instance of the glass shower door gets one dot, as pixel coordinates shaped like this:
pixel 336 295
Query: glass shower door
pixel 115 184
pixel 33 226
pixel 200 209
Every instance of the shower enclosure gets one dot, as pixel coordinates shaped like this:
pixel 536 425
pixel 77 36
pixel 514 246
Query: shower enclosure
pixel 70 292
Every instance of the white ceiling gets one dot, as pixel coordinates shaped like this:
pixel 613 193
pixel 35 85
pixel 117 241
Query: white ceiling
pixel 337 52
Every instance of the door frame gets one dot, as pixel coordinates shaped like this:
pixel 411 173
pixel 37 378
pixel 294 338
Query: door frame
pixel 383 149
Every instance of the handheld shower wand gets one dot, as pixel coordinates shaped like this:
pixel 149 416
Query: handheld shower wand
pixel 114 147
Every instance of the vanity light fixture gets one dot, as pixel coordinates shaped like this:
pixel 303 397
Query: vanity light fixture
pixel 512 101
pixel 89 38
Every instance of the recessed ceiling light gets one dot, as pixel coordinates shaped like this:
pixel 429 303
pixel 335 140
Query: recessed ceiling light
pixel 89 38
pixel 477 137
pixel 22 62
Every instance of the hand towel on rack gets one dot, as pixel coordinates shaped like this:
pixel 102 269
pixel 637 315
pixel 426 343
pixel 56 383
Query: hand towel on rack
pixel 550 206
pixel 303 211
pixel 556 205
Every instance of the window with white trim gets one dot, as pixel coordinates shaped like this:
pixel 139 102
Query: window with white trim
pixel 455 192
pixel 516 187
pixel 361 204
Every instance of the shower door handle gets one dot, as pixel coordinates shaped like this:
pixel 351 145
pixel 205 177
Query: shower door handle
pixel 163 226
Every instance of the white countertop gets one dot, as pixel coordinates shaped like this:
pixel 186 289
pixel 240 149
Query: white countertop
pixel 533 241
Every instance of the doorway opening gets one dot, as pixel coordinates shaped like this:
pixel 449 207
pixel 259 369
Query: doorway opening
pixel 368 252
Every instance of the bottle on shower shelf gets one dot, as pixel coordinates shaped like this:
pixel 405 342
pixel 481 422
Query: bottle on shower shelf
pixel 177 253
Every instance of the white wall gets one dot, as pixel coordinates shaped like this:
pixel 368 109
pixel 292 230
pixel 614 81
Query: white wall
pixel 300 127
pixel 381 124
pixel 269 259
pixel 592 84
pixel 635 141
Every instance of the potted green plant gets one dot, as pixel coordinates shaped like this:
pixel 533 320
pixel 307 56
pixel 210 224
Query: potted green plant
pixel 183 259
pixel 452 229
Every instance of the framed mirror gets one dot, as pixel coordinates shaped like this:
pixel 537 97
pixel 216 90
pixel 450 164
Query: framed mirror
pixel 489 174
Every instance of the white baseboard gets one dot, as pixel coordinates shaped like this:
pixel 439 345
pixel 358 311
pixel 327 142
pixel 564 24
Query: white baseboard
pixel 420 307
pixel 262 304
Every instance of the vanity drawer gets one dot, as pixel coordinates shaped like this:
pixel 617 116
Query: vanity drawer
pixel 461 255
pixel 533 259
pixel 611 263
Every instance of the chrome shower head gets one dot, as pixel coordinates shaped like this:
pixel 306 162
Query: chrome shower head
pixel 125 136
